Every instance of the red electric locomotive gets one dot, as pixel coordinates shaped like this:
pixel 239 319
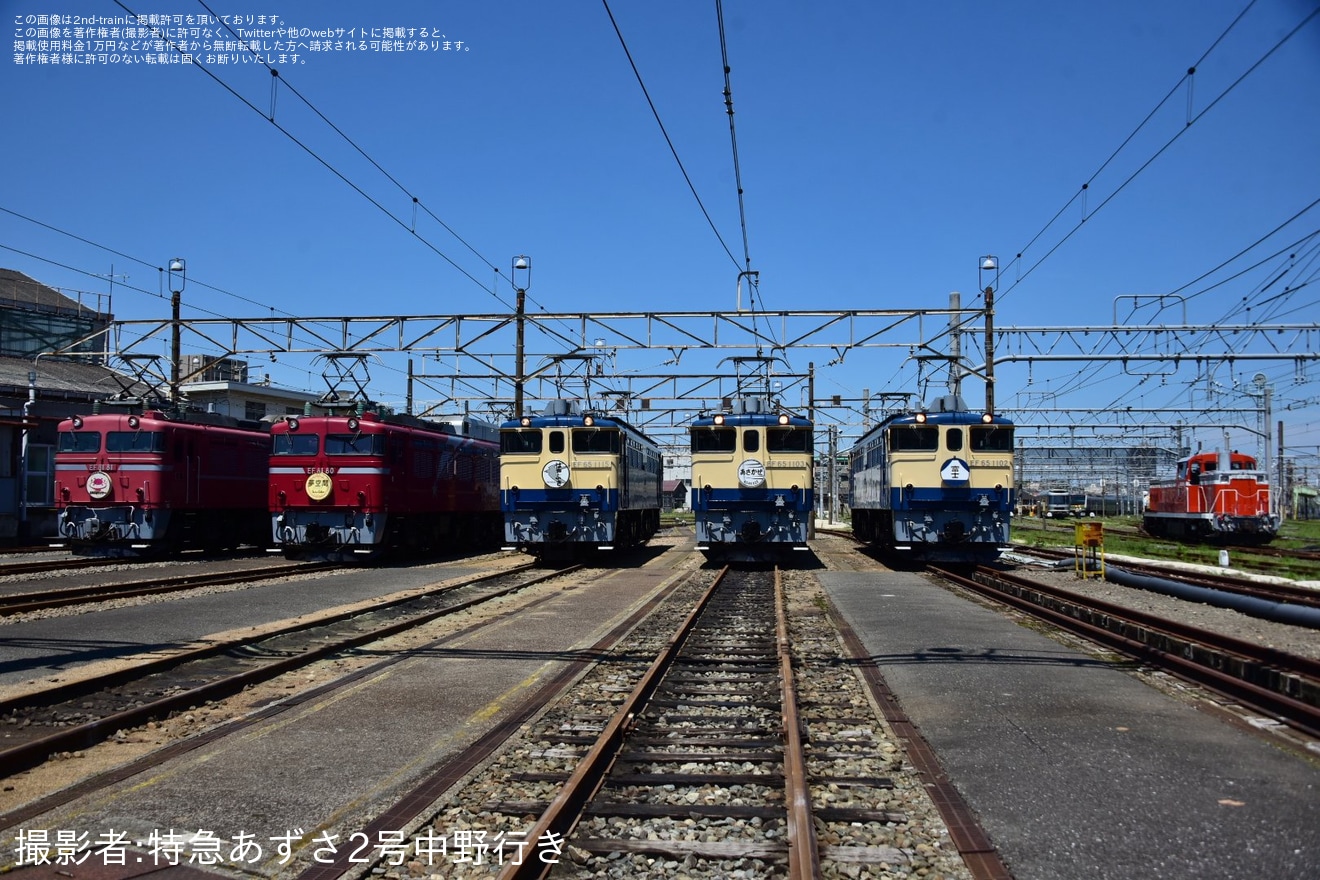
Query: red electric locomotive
pixel 155 483
pixel 355 486
pixel 1216 497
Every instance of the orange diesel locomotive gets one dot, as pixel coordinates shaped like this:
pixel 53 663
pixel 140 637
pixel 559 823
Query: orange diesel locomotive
pixel 1215 497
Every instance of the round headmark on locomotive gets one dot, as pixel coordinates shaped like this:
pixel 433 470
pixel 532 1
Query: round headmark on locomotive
pixel 99 484
pixel 555 474
pixel 955 470
pixel 751 473
pixel 318 486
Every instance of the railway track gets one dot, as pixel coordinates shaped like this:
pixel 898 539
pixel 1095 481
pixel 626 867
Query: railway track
pixel 715 757
pixel 42 600
pixel 81 713
pixel 1280 686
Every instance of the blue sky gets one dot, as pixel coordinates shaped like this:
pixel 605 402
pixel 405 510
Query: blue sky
pixel 883 147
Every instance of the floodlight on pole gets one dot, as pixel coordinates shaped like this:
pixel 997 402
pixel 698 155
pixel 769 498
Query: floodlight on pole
pixel 178 278
pixel 521 276
pixel 989 263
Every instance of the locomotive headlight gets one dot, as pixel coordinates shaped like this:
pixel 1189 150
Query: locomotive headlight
pixel 921 418
pixel 987 418
pixel 352 424
pixel 133 422
pixel 588 421
pixel 293 424
pixel 719 419
pixel 77 422
pixel 783 420
pixel 525 421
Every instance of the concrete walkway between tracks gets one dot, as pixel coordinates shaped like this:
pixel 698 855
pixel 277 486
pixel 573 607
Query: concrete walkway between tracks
pixel 1077 768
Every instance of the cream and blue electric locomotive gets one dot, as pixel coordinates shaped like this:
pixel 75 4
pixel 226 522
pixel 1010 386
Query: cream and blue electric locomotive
pixel 936 486
pixel 753 496
pixel 573 481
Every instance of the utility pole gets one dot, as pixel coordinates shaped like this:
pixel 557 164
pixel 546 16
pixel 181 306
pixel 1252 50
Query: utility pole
pixel 521 263
pixel 178 278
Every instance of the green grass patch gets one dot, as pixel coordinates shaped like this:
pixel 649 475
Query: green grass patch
pixel 1120 538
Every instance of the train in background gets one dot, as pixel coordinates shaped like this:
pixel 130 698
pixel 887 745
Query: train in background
pixel 1217 497
pixel 157 482
pixel 573 482
pixel 753 471
pixel 357 486
pixel 936 485
pixel 1058 503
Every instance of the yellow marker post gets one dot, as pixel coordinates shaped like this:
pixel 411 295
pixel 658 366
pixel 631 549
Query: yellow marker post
pixel 1089 549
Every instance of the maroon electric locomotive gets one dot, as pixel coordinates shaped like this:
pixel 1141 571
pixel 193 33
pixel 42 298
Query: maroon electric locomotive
pixel 129 484
pixel 352 486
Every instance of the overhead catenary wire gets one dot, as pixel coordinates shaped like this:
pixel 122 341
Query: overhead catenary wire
pixel 467 384
pixel 326 163
pixel 276 78
pixel 1191 119
pixel 744 272
pixel 668 140
pixel 1081 379
pixel 753 279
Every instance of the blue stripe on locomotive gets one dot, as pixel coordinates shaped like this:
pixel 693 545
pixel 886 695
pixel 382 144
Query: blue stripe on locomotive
pixel 943 517
pixel 781 515
pixel 541 515
pixel 587 515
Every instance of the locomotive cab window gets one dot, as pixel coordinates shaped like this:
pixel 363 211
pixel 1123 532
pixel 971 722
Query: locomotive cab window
pixel 556 442
pixel 520 442
pixel 914 438
pixel 596 440
pixel 714 440
pixel 294 444
pixel 134 441
pixel 354 444
pixel 953 439
pixel 751 441
pixel 80 441
pixel 788 440
pixel 996 439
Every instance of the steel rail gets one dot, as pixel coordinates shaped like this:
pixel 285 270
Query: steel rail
pixel 564 812
pixel 803 848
